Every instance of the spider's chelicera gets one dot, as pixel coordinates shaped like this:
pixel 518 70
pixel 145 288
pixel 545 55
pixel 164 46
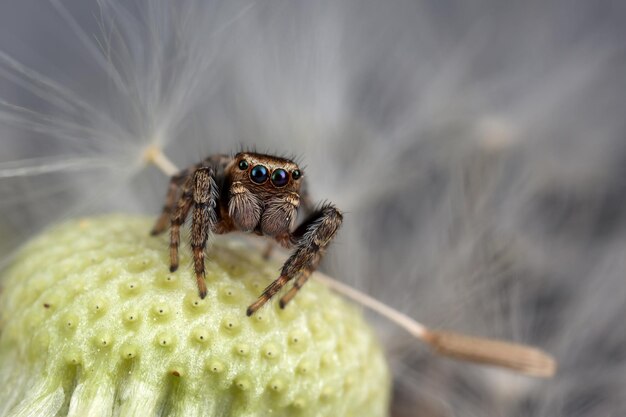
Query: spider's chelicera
pixel 249 192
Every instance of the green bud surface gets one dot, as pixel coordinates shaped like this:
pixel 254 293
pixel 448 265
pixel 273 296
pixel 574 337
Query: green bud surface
pixel 92 323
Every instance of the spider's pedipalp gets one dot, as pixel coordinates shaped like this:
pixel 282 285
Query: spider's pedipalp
pixel 244 207
pixel 280 214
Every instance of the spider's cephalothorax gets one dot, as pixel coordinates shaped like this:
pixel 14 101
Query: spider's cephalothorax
pixel 249 192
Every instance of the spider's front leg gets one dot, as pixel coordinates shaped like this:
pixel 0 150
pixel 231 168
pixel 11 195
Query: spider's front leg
pixel 200 192
pixel 205 195
pixel 311 239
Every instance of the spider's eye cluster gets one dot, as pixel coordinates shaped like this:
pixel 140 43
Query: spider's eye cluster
pixel 259 174
pixel 280 177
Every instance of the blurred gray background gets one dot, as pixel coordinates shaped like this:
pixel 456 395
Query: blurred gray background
pixel 478 150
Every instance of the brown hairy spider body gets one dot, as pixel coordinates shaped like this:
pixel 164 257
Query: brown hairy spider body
pixel 249 192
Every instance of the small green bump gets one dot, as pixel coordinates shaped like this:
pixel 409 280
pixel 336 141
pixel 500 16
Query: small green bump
pixel 196 304
pixel 277 384
pixel 97 305
pixel 96 258
pixel 129 351
pixel 131 316
pixel 215 366
pixel 297 340
pixel 270 351
pixel 230 325
pixel 108 273
pixel 102 339
pixel 69 321
pixel 256 285
pixel 200 335
pixel 327 393
pixel 229 294
pixel 318 328
pixel 176 369
pixel 138 265
pixel 305 367
pixel 243 383
pixel 72 356
pixel 328 360
pixel 241 349
pixel 168 281
pixel 236 270
pixel 261 320
pixel 77 287
pixel 130 288
pixel 165 339
pixel 161 311
pixel 299 403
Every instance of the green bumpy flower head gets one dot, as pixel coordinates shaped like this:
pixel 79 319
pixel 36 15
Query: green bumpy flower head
pixel 94 324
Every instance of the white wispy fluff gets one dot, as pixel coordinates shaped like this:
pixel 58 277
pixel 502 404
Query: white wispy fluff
pixel 478 150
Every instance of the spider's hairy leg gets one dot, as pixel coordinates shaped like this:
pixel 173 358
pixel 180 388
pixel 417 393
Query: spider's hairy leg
pixel 178 218
pixel 298 283
pixel 312 238
pixel 205 195
pixel 170 201
pixel 269 292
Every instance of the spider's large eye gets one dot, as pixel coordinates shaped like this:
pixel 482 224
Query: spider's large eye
pixel 243 165
pixel 296 174
pixel 280 178
pixel 259 174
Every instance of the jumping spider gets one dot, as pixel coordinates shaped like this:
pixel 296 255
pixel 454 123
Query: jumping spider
pixel 249 192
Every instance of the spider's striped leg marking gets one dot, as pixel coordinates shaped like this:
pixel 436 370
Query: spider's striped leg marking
pixel 298 283
pixel 311 238
pixel 269 292
pixel 205 195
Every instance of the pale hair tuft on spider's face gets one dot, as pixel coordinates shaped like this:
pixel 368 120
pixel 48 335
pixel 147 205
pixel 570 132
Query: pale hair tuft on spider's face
pixel 250 192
